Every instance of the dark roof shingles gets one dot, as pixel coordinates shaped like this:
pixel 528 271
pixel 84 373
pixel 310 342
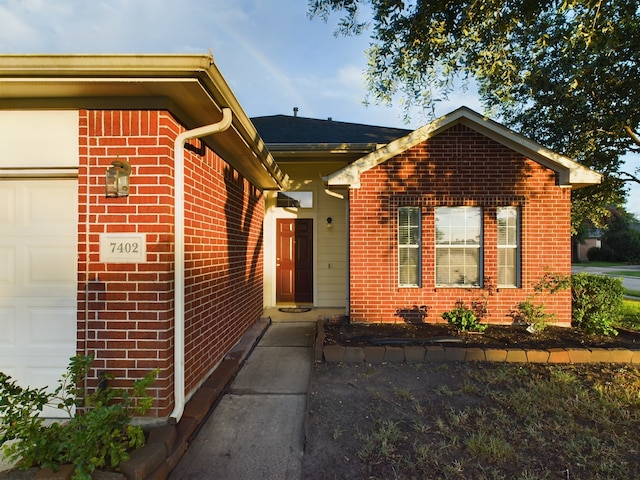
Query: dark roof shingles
pixel 284 129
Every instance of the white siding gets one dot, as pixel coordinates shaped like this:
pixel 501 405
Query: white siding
pixel 38 138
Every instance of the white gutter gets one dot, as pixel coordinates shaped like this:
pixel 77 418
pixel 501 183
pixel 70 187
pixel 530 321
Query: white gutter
pixel 178 349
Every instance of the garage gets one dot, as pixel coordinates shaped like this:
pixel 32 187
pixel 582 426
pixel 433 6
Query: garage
pixel 38 277
pixel 38 251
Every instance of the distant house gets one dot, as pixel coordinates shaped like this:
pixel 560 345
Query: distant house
pixel 593 239
pixel 168 277
pixel 406 226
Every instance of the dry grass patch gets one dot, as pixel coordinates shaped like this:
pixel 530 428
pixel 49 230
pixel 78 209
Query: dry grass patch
pixel 480 421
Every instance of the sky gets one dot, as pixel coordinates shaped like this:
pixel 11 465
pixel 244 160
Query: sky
pixel 272 55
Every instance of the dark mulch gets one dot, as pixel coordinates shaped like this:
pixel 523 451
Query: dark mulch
pixel 498 336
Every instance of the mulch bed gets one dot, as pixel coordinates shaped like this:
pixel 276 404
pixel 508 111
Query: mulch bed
pixel 497 336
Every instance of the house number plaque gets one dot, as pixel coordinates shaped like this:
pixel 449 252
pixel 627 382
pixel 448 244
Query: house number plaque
pixel 123 248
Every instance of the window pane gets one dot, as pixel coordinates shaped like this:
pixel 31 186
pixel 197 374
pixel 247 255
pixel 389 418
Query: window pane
pixel 507 269
pixel 473 224
pixel 458 225
pixel 409 226
pixel 458 240
pixel 508 245
pixel 457 266
pixel 409 260
pixel 295 199
pixel 409 244
pixel 507 225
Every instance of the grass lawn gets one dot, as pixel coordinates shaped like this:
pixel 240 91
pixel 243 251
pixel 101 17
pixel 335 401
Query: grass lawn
pixel 599 264
pixel 630 314
pixel 474 421
pixel 625 273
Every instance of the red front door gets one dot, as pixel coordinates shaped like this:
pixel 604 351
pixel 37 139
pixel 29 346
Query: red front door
pixel 294 261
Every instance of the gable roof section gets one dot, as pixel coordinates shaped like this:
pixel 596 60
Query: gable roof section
pixel 189 86
pixel 570 173
pixel 299 137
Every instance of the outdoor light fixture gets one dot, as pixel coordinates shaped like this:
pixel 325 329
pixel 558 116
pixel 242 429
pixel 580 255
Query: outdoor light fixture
pixel 329 221
pixel 117 179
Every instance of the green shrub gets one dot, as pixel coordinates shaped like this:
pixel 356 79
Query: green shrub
pixel 463 318
pixel 596 303
pixel 529 313
pixel 532 314
pixel 96 436
pixel 600 254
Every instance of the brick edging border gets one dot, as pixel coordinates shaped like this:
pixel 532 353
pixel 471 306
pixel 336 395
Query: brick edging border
pixel 419 354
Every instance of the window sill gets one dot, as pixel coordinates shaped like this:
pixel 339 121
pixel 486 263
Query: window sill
pixel 459 286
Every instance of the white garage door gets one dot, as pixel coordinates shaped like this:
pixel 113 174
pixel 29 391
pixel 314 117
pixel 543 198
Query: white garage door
pixel 38 263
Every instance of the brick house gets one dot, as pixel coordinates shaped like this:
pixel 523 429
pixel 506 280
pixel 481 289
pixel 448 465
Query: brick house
pixel 405 223
pixel 458 209
pixel 168 277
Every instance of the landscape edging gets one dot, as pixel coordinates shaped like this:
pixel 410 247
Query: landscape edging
pixel 413 354
pixel 408 354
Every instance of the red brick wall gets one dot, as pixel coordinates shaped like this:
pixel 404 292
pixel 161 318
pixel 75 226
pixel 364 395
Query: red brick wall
pixel 125 311
pixel 458 167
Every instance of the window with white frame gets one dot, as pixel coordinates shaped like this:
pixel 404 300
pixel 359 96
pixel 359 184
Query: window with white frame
pixel 409 246
pixel 508 246
pixel 458 246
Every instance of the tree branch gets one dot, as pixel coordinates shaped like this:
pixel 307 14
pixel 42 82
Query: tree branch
pixel 627 177
pixel 634 136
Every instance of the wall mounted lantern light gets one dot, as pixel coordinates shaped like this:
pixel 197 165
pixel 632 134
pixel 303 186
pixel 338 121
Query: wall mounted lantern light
pixel 117 179
pixel 329 221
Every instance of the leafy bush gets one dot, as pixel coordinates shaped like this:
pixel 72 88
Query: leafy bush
pixel 596 303
pixel 597 254
pixel 100 436
pixel 531 314
pixel 552 283
pixel 463 318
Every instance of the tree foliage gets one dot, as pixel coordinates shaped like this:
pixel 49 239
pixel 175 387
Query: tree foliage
pixel 622 238
pixel 563 72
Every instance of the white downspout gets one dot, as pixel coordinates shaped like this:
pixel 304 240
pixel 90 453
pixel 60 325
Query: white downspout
pixel 178 350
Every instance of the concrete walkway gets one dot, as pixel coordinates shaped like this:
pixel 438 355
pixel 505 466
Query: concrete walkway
pixel 257 429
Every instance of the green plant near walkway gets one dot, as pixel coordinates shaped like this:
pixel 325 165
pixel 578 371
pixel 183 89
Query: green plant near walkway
pixel 97 435
pixel 463 318
pixel 533 314
pixel 596 303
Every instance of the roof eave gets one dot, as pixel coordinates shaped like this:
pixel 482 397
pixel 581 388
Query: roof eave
pixel 190 86
pixel 292 152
